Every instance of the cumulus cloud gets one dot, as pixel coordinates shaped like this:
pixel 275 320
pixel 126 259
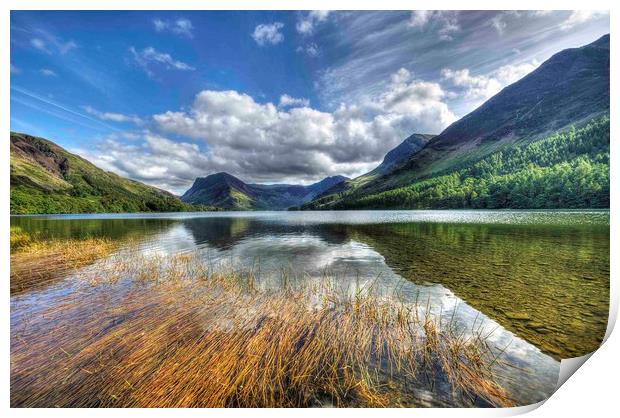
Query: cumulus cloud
pixel 47 72
pixel 150 56
pixel 446 22
pixel 288 101
pixel 268 34
pixel 289 141
pixel 478 88
pixel 181 27
pixel 114 117
pixel 419 18
pixel 150 158
pixel 308 21
pixel 578 17
pixel 248 138
pixel 311 49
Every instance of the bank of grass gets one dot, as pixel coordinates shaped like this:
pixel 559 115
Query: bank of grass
pixel 170 332
pixel 35 261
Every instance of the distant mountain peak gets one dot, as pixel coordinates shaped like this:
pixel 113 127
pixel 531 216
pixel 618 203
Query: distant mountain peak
pixel 225 191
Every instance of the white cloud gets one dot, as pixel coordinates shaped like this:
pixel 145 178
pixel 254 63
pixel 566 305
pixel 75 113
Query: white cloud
pixel 499 24
pixel 288 101
pixel 15 70
pixel 40 44
pixel 268 34
pixel 47 72
pixel 541 13
pixel 478 88
pixel 307 22
pixel 114 117
pixel 312 50
pixel 578 17
pixel 160 25
pixel 445 22
pixel 51 43
pixel 150 56
pixel 419 18
pixel 508 74
pixel 502 20
pixel 63 48
pixel 248 138
pixel 181 27
pixel 150 158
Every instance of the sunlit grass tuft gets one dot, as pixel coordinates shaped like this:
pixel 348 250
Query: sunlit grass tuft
pixel 36 261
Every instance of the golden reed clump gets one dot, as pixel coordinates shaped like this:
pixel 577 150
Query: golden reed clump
pixel 35 261
pixel 169 332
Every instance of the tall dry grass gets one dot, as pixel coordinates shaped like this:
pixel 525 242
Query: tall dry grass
pixel 36 262
pixel 169 332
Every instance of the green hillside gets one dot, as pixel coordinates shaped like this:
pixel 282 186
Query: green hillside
pixel 564 170
pixel 46 178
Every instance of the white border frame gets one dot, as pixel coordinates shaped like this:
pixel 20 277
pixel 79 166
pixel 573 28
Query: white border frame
pixel 592 391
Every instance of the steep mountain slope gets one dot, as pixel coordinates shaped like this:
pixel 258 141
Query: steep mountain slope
pixel 225 191
pixel 46 178
pixel 565 170
pixel 401 154
pixel 569 89
pixel 393 160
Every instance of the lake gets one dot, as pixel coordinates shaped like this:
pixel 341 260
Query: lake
pixel 538 281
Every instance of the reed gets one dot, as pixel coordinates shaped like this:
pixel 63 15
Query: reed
pixel 172 332
pixel 36 261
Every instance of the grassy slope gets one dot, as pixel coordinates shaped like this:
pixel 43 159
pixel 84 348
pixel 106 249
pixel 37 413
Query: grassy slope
pixel 79 188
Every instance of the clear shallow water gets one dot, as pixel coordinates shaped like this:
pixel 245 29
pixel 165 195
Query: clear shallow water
pixel 539 279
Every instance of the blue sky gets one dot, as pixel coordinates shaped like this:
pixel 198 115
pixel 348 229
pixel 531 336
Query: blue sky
pixel 164 97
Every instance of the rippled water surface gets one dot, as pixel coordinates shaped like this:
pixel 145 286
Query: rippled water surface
pixel 538 279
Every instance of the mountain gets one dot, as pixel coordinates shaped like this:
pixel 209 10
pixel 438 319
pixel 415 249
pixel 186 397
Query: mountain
pixel 225 191
pixel 570 89
pixel 46 178
pixel 401 154
pixel 394 159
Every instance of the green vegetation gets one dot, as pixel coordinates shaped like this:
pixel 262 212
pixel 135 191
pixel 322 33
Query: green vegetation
pixel 19 238
pixel 565 170
pixel 45 178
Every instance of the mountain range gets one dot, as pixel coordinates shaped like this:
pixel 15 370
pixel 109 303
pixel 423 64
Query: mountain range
pixel 541 142
pixel 225 191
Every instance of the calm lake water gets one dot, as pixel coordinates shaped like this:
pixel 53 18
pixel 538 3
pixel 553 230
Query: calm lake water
pixel 537 280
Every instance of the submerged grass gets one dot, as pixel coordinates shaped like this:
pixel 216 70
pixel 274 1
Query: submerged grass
pixel 170 332
pixel 36 261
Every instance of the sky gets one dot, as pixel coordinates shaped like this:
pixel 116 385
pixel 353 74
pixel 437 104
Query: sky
pixel 164 97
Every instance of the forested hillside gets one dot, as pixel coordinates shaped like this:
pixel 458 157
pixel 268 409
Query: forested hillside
pixel 565 170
